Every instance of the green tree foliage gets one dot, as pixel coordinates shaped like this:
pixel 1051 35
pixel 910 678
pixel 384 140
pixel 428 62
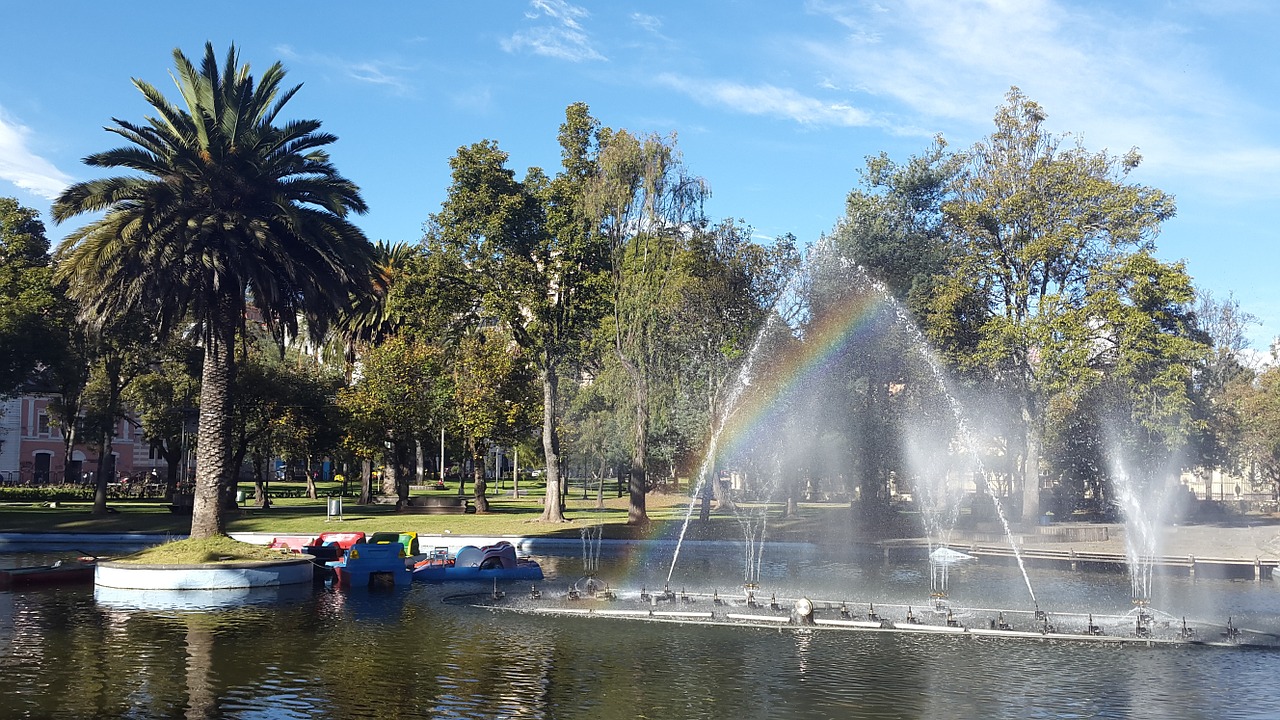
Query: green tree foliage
pixel 222 208
pixel 1136 333
pixel 402 394
pixel 1259 407
pixel 893 230
pixel 163 400
pixel 1032 221
pixel 1225 324
pixel 117 355
pixel 729 285
pixel 35 319
pixel 522 250
pixel 286 408
pixel 492 397
pixel 642 200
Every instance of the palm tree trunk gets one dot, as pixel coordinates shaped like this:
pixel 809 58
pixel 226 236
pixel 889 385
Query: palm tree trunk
pixel 213 443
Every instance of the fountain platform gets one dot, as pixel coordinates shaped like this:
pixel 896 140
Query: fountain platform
pixel 1141 627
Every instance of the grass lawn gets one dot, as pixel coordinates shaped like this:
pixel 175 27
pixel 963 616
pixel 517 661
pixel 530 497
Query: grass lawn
pixel 508 516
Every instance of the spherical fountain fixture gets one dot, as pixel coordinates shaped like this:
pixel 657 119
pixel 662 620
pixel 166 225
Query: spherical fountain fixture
pixel 802 612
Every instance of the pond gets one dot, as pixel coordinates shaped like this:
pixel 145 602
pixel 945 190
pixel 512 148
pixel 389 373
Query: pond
pixel 427 652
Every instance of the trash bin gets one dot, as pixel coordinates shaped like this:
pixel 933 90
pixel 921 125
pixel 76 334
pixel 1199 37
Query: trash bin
pixel 239 497
pixel 335 508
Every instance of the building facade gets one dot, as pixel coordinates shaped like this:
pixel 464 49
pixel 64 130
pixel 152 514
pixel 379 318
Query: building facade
pixel 32 450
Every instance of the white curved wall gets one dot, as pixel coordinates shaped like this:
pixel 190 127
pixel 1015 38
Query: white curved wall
pixel 203 577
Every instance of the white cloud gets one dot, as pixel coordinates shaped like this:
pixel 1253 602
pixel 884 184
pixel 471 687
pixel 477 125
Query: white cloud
pixel 385 73
pixel 22 167
pixel 564 38
pixel 767 100
pixel 647 22
pixel 1117 76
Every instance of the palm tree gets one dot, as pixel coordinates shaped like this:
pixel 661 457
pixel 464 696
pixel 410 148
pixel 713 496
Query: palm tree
pixel 370 317
pixel 223 209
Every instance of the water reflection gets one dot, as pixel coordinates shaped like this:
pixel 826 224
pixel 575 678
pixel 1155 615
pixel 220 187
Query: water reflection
pixel 407 653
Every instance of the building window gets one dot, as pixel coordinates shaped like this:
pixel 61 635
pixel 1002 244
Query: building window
pixel 42 424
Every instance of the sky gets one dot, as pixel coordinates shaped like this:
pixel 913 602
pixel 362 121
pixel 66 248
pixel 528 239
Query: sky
pixel 776 104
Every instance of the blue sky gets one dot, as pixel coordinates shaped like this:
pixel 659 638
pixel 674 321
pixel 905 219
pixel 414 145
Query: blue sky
pixel 776 104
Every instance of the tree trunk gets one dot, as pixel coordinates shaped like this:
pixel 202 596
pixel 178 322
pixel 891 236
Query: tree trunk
pixel 366 482
pixel 600 483
pixel 422 462
pixel 636 511
pixel 553 506
pixel 311 482
pixel 1031 469
pixel 722 494
pixel 389 472
pixel 106 472
pixel 477 465
pixel 173 462
pixel 259 484
pixel 399 457
pixel 213 443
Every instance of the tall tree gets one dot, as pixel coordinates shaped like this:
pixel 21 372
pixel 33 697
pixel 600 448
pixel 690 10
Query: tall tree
pixel 1226 325
pixel 402 394
pixel 35 319
pixel 893 231
pixel 1033 220
pixel 163 399
pixel 524 251
pixel 1260 407
pixel 223 209
pixel 492 398
pixel 643 202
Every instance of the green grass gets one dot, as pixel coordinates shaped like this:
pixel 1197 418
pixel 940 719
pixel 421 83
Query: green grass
pixel 507 516
pixel 204 551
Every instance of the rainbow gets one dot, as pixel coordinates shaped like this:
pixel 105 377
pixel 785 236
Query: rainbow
pixel 760 411
pixel 786 367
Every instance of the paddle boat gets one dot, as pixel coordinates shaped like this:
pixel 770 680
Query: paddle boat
pixel 62 572
pixel 365 563
pixel 492 562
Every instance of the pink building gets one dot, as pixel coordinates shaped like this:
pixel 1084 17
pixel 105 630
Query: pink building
pixel 31 449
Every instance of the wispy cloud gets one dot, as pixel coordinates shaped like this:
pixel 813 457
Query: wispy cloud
pixel 1117 80
pixel 767 100
pixel 388 74
pixel 23 167
pixel 559 34
pixel 650 23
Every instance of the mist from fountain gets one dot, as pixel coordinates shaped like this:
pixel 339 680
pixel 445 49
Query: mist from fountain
pixel 1146 507
pixel 791 310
